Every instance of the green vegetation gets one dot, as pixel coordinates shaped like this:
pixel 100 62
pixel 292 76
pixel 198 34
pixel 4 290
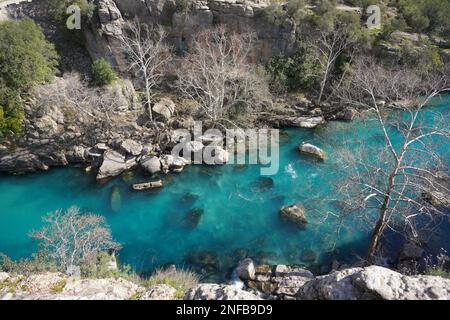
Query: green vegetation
pixel 26 59
pixel 430 16
pixel 183 6
pixel 102 72
pixel 181 280
pixel 57 9
pixel 296 72
pixel 441 268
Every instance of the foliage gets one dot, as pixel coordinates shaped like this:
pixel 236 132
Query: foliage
pixel 102 268
pixel 11 114
pixel 441 268
pixel 26 57
pixel 293 73
pixel 424 59
pixel 39 262
pixel 102 73
pixel 57 9
pixel 181 280
pixel 431 16
pixel 183 6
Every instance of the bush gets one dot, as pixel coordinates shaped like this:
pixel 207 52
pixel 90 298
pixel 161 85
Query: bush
pixel 26 57
pixel 181 280
pixel 11 114
pixel 293 73
pixel 57 9
pixel 102 72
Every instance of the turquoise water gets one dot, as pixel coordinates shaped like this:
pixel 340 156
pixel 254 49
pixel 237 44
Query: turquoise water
pixel 240 215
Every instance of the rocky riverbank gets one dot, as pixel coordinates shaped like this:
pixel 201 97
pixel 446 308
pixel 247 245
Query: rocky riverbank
pixel 276 282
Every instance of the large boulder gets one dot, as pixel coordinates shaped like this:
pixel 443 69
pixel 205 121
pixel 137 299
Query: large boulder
pixel 295 213
pixel 301 122
pixel 173 163
pixel 374 283
pixel 210 291
pixel 151 165
pixel 246 270
pixel 113 164
pixel 131 147
pixel 165 107
pixel 215 155
pixel 290 279
pixel 312 150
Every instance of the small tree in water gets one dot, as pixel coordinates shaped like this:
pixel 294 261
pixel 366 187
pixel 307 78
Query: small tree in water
pixel 73 239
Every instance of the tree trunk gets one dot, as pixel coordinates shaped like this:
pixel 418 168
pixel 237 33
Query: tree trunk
pixel 375 239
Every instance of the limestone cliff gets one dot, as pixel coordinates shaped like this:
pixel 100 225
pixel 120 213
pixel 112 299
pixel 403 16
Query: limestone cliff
pixel 238 15
pixel 371 283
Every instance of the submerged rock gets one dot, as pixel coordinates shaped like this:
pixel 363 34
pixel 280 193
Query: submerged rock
pixel 116 201
pixel 295 213
pixel 312 150
pixel 262 184
pixel 189 197
pixel 206 261
pixel 193 218
pixel 308 256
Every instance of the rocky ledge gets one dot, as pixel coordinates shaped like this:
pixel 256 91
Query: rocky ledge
pixel 276 282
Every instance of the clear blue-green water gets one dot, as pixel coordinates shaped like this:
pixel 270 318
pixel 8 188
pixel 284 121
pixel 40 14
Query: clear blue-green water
pixel 239 217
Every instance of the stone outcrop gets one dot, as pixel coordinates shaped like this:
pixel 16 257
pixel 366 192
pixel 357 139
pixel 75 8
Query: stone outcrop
pixel 270 282
pixel 281 281
pixel 239 16
pixel 113 164
pixel 212 291
pixel 165 108
pixel 246 270
pixel 373 283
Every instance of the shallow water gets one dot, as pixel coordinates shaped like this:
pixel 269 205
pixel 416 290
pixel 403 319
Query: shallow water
pixel 240 217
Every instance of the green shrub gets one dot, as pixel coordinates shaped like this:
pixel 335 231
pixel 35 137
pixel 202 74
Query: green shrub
pixel 11 114
pixel 293 73
pixel 57 9
pixel 183 6
pixel 102 72
pixel 181 280
pixel 26 57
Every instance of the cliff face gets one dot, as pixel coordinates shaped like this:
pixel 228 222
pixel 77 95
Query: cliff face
pixel 350 284
pixel 238 15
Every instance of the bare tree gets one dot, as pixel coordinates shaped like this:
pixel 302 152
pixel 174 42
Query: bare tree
pixel 145 48
pixel 387 185
pixel 72 239
pixel 216 73
pixel 330 44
